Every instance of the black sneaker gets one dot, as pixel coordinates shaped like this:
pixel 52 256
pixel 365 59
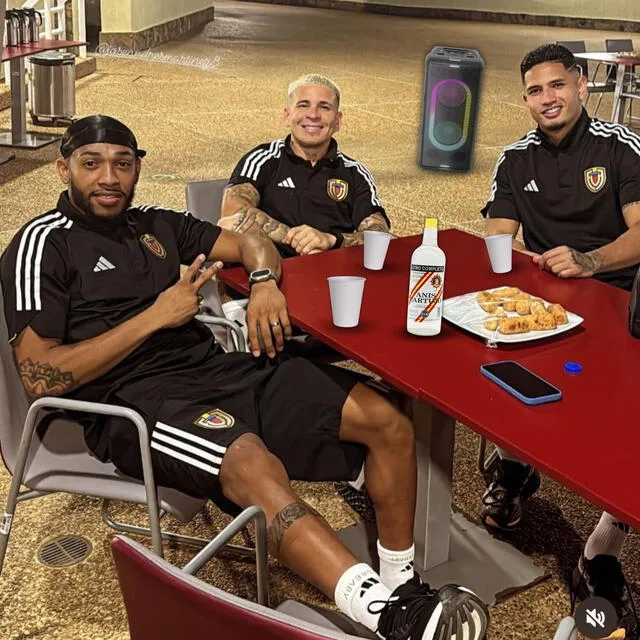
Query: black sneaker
pixel 359 500
pixel 602 576
pixel 416 612
pixel 509 484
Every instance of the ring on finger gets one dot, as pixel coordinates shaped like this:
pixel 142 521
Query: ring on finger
pixel 275 323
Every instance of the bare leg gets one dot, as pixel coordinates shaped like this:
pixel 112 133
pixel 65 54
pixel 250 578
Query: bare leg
pixel 305 542
pixel 390 468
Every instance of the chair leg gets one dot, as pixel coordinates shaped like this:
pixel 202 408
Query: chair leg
pixel 595 111
pixel 483 462
pixel 236 552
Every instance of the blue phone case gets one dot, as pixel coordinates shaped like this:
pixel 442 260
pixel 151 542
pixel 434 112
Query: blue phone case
pixel 552 397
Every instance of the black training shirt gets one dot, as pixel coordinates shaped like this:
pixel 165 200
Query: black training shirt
pixel 571 194
pixel 334 196
pixel 73 277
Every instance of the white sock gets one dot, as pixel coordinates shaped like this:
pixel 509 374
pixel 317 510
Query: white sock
pixel 607 538
pixel 396 567
pixel 358 587
pixel 505 455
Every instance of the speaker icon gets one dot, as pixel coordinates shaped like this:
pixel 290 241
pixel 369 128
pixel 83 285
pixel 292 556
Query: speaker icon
pixel 450 108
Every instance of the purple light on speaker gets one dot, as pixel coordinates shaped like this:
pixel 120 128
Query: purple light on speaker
pixel 460 94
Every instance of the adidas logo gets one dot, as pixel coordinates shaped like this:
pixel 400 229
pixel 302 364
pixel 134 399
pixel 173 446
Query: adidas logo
pixel 367 584
pixel 288 183
pixel 532 186
pixel 103 265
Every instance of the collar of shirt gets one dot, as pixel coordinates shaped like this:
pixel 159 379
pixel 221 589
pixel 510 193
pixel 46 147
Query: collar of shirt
pixel 101 225
pixel 330 158
pixel 572 139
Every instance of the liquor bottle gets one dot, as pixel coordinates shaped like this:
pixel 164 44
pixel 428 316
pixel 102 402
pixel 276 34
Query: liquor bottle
pixel 426 284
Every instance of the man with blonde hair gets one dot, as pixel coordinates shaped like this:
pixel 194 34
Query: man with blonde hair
pixel 301 191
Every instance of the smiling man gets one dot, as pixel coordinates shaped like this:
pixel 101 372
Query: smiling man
pixel 574 186
pixel 301 191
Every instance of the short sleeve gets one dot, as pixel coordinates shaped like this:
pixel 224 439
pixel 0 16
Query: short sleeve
pixel 501 203
pixel 628 168
pixel 366 200
pixel 34 278
pixel 193 236
pixel 258 166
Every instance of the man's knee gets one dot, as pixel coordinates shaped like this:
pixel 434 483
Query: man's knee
pixel 249 467
pixel 374 419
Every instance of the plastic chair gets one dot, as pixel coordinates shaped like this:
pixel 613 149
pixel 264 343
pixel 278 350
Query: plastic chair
pixel 192 608
pixel 204 198
pixel 57 459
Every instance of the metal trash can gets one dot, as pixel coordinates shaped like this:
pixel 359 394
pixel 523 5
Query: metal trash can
pixel 52 92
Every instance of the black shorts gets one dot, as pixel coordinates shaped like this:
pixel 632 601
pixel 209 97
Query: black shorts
pixel 193 416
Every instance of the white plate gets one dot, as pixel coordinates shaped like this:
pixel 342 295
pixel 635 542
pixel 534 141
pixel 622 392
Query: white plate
pixel 465 312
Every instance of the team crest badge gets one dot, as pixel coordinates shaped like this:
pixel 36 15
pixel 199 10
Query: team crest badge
pixel 337 189
pixel 215 419
pixel 151 243
pixel 595 178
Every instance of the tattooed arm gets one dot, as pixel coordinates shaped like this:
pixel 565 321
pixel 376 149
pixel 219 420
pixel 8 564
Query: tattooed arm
pixel 374 222
pixel 240 213
pixel 624 251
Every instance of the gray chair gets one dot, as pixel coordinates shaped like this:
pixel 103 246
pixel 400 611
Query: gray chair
pixel 58 459
pixel 204 198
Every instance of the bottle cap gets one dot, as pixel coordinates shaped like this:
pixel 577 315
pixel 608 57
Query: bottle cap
pixel 572 367
pixel 431 223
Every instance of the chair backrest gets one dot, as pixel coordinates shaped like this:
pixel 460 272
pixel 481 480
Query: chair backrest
pixel 577 46
pixel 204 198
pixel 13 399
pixel 615 45
pixel 193 609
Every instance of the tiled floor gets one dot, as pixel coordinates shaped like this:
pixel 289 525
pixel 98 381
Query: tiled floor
pixel 195 124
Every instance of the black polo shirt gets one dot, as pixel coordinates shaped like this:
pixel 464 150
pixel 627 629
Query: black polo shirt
pixel 73 277
pixel 334 196
pixel 571 194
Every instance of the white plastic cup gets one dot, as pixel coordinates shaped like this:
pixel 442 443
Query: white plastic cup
pixel 500 248
pixel 376 244
pixel 346 299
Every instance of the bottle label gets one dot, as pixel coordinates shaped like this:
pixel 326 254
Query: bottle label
pixel 426 285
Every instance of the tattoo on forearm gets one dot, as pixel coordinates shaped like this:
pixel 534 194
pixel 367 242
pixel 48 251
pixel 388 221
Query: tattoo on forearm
pixel 591 261
pixel 256 221
pixel 283 520
pixel 374 222
pixel 245 191
pixel 42 379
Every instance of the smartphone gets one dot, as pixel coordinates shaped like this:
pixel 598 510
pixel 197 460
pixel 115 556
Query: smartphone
pixel 520 382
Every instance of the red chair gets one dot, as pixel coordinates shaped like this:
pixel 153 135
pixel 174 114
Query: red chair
pixel 165 602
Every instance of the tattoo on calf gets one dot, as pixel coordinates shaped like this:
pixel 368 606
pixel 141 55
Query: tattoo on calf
pixel 283 520
pixel 591 261
pixel 42 379
pixel 374 222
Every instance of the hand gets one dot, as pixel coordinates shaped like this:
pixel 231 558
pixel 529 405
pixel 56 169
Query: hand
pixel 181 302
pixel 229 222
pixel 566 262
pixel 306 239
pixel 267 318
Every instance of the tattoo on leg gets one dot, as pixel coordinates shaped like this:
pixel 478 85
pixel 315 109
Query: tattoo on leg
pixel 591 261
pixel 283 520
pixel 42 379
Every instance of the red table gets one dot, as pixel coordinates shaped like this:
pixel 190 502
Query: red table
pixel 19 137
pixel 587 441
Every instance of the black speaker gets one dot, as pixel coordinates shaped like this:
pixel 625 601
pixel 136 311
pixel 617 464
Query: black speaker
pixel 452 84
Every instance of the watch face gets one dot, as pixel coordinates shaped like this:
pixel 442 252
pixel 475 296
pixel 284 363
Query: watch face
pixel 260 274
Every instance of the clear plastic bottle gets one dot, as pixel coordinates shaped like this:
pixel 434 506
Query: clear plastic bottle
pixel 426 284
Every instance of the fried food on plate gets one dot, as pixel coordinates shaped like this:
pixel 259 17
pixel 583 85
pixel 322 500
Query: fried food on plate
pixel 506 292
pixel 558 312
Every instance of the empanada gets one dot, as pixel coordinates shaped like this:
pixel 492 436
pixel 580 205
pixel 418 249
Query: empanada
pixel 537 307
pixel 489 307
pixel 523 307
pixel 506 292
pixel 514 325
pixel 558 312
pixel 542 322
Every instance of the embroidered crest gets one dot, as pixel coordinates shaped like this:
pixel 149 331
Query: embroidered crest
pixel 595 178
pixel 151 243
pixel 337 189
pixel 215 419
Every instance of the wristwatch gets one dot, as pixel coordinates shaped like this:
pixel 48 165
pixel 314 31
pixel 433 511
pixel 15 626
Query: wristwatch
pixel 261 275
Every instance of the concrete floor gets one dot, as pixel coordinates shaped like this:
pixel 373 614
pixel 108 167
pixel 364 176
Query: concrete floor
pixel 195 123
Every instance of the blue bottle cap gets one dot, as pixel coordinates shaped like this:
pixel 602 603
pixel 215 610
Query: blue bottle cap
pixel 572 367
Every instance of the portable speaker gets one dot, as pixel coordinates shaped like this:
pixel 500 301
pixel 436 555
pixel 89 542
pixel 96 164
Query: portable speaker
pixel 452 81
